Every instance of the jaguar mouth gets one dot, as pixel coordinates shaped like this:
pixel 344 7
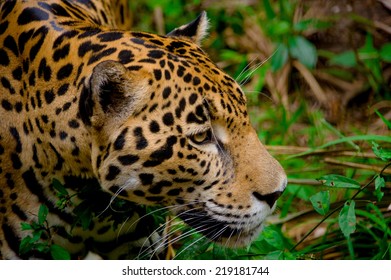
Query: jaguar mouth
pixel 231 234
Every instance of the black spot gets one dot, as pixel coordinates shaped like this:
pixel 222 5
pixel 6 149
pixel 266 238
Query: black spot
pixel 180 108
pixel 156 54
pixel 62 89
pixel 60 160
pixel 89 31
pixel 158 74
pixel 4 60
pixel 125 56
pixel 139 193
pixel 32 78
pixel 164 153
pixel 66 106
pixel 167 75
pixel 199 182
pixel 146 178
pixel 49 96
pixel 154 127
pixel 63 135
pixel 6 105
pixel 14 132
pixel 64 71
pixel 157 188
pixel 16 163
pixel 9 42
pixel 61 53
pixel 193 98
pixel 4 25
pixel 120 141
pixel 88 46
pixel 38 124
pixel 13 196
pixel 187 78
pixel 192 118
pixel 32 14
pixel 45 118
pixel 73 124
pixel 104 229
pixel 174 192
pixel 181 71
pixel 18 107
pixel 168 119
pixel 56 9
pixel 24 37
pixel 42 32
pixel 154 198
pixel 196 81
pixel 7 85
pixel 44 70
pixel 166 92
pixel 141 141
pixel 153 107
pixel 110 36
pixel 113 173
pixel 128 159
pixel 19 212
pixel 17 73
pixel 100 55
pixel 66 35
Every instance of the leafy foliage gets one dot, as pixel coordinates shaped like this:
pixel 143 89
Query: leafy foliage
pixel 40 238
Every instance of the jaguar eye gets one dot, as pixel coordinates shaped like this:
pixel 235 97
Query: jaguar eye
pixel 202 137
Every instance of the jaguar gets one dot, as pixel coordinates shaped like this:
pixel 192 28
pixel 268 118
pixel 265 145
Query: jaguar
pixel 149 120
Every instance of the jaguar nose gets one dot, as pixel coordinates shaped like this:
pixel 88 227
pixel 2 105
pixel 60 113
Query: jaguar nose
pixel 271 198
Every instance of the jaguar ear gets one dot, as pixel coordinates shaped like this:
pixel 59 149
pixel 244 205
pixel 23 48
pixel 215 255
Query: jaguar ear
pixel 195 30
pixel 113 92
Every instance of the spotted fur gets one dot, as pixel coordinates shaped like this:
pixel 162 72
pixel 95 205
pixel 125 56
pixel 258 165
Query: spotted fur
pixel 148 118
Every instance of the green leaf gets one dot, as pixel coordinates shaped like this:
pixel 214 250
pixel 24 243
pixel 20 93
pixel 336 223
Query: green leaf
pixel 347 218
pixel 339 181
pixel 42 247
pixel 387 122
pixel 26 245
pixel 84 214
pixel 306 24
pixel 270 14
pixel 368 51
pixel 345 59
pixel 42 214
pixel 59 253
pixel 59 187
pixel 303 50
pixel 369 137
pixel 274 238
pixel 385 52
pixel 279 58
pixel 384 155
pixel 277 28
pixel 26 226
pixel 321 202
pixel 379 184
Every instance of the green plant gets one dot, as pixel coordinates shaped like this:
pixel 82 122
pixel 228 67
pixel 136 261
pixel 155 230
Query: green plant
pixel 368 60
pixel 287 34
pixel 40 240
pixel 365 220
